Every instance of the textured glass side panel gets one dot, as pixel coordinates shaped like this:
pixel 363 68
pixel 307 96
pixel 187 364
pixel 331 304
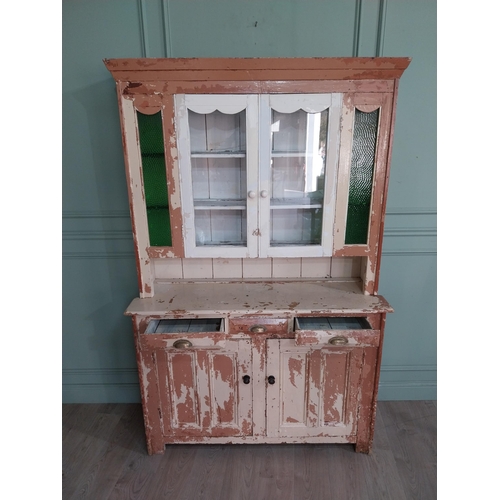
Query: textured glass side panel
pixel 155 179
pixel 361 179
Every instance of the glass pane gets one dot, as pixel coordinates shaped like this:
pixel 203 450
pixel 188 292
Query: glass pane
pixel 298 159
pixel 155 178
pixel 220 227
pixel 217 132
pixel 361 179
pixel 219 177
pixel 296 226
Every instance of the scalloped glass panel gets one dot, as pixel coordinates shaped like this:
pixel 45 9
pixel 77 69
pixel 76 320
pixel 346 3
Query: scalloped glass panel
pixel 364 143
pixel 155 179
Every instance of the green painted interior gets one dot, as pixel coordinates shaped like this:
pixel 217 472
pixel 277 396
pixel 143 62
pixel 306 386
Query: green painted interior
pixel 99 276
pixel 154 176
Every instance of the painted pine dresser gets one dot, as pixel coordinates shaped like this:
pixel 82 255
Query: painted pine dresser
pixel 257 193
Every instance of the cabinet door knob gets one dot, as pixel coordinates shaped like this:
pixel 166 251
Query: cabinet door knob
pixel 264 193
pixel 340 340
pixel 182 344
pixel 252 194
pixel 271 379
pixel 246 379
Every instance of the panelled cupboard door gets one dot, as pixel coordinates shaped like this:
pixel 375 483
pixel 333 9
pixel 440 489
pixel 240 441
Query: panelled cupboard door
pixel 315 390
pixel 258 173
pixel 206 392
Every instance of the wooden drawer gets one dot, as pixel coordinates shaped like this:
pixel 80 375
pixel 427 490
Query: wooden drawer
pixel 256 325
pixel 164 333
pixel 339 338
pixel 193 342
pixel 336 332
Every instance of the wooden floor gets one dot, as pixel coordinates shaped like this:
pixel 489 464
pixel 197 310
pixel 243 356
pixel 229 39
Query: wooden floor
pixel 104 457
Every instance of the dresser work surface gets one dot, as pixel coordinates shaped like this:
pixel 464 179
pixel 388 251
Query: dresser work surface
pixel 316 297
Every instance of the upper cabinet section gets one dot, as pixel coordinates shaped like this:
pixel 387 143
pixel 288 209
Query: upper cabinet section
pixel 257 157
pixel 257 174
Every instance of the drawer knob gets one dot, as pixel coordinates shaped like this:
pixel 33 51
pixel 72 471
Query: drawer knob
pixel 246 379
pixel 182 344
pixel 258 329
pixel 271 379
pixel 340 340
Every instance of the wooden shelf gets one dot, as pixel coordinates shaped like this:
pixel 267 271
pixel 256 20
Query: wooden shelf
pixel 222 154
pixel 220 205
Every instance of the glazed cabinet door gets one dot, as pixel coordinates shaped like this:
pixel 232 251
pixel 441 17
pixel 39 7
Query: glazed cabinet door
pixel 312 391
pixel 217 147
pixel 258 173
pixel 299 144
pixel 206 392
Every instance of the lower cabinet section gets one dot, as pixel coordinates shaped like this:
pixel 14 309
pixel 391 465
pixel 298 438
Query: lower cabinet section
pixel 316 386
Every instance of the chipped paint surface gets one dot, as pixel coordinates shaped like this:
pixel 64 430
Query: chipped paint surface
pixel 295 367
pixel 210 299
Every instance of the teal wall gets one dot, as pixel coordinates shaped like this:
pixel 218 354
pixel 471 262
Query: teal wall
pixel 99 278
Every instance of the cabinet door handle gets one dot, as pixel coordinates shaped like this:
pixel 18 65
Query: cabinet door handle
pixel 264 193
pixel 271 379
pixel 246 379
pixel 252 194
pixel 340 340
pixel 258 329
pixel 182 344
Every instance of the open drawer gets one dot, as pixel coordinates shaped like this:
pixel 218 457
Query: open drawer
pixel 184 333
pixel 335 331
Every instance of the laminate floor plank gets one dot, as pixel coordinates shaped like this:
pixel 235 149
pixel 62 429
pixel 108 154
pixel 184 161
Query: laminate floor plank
pixel 274 471
pixel 103 472
pixel 241 472
pixel 310 479
pixel 105 458
pixel 139 471
pixel 175 471
pixel 76 421
pixel 89 441
pixel 412 433
pixel 380 471
pixel 210 465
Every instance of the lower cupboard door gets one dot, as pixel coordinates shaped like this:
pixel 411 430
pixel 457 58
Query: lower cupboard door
pixel 202 391
pixel 315 390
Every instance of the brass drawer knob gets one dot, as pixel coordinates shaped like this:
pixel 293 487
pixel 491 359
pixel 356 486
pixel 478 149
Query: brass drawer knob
pixel 340 340
pixel 258 329
pixel 182 344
